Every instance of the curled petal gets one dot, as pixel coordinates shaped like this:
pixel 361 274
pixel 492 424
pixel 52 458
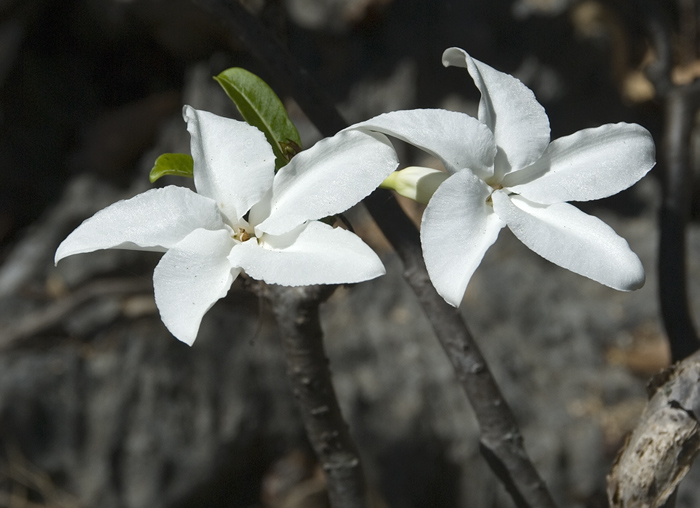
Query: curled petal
pixel 509 108
pixel 233 162
pixel 190 278
pixel 458 140
pixel 314 253
pixel 564 235
pixel 330 177
pixel 590 164
pixel 155 220
pixel 458 228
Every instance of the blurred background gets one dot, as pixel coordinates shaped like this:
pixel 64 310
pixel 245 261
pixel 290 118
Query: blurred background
pixel 101 406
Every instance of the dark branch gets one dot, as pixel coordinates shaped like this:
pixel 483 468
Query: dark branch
pixel 673 219
pixel 296 313
pixel 680 104
pixel 659 30
pixel 500 439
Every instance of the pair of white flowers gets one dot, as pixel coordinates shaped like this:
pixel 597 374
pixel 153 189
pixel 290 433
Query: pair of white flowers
pixel 501 170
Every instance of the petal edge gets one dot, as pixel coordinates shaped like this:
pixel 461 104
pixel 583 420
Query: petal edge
pixel 589 164
pixel 458 228
pixel 457 139
pixel 314 253
pixel 510 109
pixel 233 162
pixel 566 236
pixel 328 178
pixel 154 220
pixel 190 278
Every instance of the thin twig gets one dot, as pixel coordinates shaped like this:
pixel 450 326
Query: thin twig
pixel 296 311
pixel 501 441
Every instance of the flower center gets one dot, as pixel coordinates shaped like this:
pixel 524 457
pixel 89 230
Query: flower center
pixel 243 235
pixel 495 187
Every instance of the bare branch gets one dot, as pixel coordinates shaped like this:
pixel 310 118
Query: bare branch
pixel 296 311
pixel 680 104
pixel 501 440
pixel 673 219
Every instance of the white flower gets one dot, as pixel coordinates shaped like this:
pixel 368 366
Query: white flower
pixel 502 170
pixel 245 217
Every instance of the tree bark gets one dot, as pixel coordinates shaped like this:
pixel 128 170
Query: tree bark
pixel 296 311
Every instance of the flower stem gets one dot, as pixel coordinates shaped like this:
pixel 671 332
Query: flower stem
pixel 296 311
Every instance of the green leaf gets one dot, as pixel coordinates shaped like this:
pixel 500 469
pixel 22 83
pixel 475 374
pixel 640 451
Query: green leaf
pixel 261 108
pixel 177 164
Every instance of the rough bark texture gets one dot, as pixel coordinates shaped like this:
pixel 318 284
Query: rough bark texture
pixel 296 311
pixel 663 446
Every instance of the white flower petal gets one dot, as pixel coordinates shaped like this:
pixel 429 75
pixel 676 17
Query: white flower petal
pixel 233 162
pixel 510 110
pixel 458 228
pixel 260 210
pixel 155 220
pixel 590 164
pixel 458 140
pixel 190 278
pixel 564 235
pixel 314 253
pixel 330 177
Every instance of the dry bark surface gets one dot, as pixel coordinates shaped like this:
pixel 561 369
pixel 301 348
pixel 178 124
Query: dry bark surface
pixel 661 450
